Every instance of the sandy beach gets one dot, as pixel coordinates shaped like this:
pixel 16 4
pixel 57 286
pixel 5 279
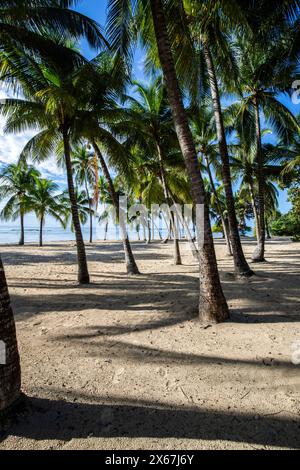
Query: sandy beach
pixel 124 363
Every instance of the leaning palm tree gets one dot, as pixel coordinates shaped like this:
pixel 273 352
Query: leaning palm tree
pixel 17 180
pixel 213 305
pixel 10 373
pixel 43 200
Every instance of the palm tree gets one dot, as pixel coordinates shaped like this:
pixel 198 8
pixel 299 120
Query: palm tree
pixel 17 179
pixel 106 201
pixel 209 23
pixel 86 174
pixel 213 305
pixel 263 72
pixel 38 30
pixel 204 132
pixel 10 372
pixel 153 129
pixel 83 206
pixel 52 109
pixel 43 200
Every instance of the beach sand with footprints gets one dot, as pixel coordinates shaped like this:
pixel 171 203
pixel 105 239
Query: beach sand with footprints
pixel 124 363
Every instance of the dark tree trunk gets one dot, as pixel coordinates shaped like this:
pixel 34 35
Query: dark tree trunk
pixel 259 253
pixel 105 231
pixel 41 231
pixel 269 236
pixel 224 221
pixel 212 305
pixel 90 210
pixel 22 234
pixel 131 265
pixel 10 371
pixel 241 266
pixel 254 208
pixel 83 274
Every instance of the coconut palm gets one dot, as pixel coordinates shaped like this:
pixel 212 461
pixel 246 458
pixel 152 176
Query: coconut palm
pixel 83 206
pixel 43 200
pixel 52 109
pixel 86 174
pixel 209 24
pixel 38 30
pixel 263 72
pixel 10 373
pixel 213 306
pixel 16 180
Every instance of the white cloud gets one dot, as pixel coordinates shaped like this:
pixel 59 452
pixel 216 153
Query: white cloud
pixel 11 145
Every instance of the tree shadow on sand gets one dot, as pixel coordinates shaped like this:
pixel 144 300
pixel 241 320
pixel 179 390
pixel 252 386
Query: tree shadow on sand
pixel 59 420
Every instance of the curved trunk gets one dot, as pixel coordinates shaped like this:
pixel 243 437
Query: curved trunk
pixel 218 203
pixel 22 234
pixel 259 253
pixel 83 274
pixel 212 306
pixel 131 265
pixel 241 266
pixel 10 371
pixel 41 231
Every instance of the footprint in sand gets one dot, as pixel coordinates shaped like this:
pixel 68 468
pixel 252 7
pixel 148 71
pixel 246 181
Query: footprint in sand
pixel 118 375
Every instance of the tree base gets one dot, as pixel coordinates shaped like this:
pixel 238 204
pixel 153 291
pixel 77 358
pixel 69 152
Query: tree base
pixel 13 407
pixel 259 260
pixel 84 280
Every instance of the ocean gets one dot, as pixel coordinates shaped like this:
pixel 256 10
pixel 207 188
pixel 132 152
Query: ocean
pixel 10 234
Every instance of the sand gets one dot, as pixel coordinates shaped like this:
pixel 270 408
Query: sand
pixel 125 364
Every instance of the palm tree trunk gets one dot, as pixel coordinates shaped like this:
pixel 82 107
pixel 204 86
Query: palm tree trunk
pixel 105 231
pixel 41 230
pixel 241 266
pixel 170 199
pixel 131 265
pixel 259 253
pixel 22 234
pixel 254 208
pixel 90 210
pixel 212 305
pixel 224 221
pixel 10 371
pixel 269 236
pixel 83 274
pixel 177 256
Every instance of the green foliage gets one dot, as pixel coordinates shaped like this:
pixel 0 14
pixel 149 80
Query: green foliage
pixel 287 225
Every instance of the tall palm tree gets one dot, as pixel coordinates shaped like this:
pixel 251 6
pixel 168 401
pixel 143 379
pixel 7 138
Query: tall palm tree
pixel 204 132
pixel 52 109
pixel 10 372
pixel 153 129
pixel 213 305
pixel 86 174
pixel 17 180
pixel 263 72
pixel 43 200
pixel 209 23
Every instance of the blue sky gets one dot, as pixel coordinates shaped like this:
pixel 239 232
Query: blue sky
pixel 11 145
